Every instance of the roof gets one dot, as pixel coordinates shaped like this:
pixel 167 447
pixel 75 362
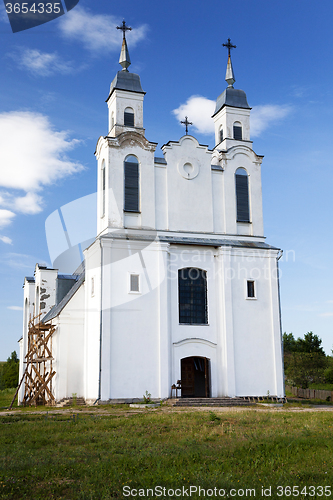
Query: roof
pixel 56 310
pixel 231 97
pixel 160 160
pixel 124 80
pixel 30 279
pixel 217 242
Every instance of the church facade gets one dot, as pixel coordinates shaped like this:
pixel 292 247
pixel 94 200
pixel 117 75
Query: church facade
pixel 179 284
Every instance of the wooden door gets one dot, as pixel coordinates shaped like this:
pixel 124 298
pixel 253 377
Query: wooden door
pixel 187 378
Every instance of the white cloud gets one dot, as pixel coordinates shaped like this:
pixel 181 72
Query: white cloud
pixel 6 217
pixel 6 240
pixel 263 116
pixel 15 308
pixel 97 32
pixel 200 109
pixel 326 315
pixel 32 155
pixel 41 63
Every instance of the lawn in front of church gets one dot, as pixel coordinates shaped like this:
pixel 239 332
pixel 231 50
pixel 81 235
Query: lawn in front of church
pixel 81 455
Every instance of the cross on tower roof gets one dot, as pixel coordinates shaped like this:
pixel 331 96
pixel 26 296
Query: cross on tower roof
pixel 124 28
pixel 229 46
pixel 186 123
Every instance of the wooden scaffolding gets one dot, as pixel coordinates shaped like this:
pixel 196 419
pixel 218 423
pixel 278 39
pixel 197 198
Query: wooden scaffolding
pixel 39 371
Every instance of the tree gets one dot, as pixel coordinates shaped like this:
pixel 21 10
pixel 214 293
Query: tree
pixel 10 372
pixel 304 360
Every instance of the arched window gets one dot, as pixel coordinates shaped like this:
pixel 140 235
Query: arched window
pixel 192 293
pixel 242 195
pixel 238 135
pixel 221 134
pixel 129 117
pixel 131 184
pixel 112 119
pixel 103 188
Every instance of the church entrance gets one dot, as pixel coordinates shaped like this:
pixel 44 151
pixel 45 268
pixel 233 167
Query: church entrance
pixel 195 377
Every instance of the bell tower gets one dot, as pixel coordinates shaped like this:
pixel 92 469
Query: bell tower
pixel 125 101
pixel 232 112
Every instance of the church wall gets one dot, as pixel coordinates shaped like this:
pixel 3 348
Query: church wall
pixel 194 340
pixel 119 101
pixel 68 348
pixel 255 324
pixel 114 159
pixel 218 201
pixel 161 197
pixel 45 290
pixel 236 158
pixel 131 327
pixel 189 186
pixel 28 312
pixel 92 320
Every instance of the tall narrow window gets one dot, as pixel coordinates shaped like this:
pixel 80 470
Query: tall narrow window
pixel 250 290
pixel 129 117
pixel 131 170
pixel 242 195
pixel 238 135
pixel 103 188
pixel 221 134
pixel 192 292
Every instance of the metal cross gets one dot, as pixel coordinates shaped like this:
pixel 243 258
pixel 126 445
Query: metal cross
pixel 186 123
pixel 124 28
pixel 229 46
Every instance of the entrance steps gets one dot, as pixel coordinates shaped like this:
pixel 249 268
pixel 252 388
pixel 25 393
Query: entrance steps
pixel 70 402
pixel 246 401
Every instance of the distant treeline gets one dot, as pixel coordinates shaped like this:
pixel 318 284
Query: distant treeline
pixel 305 361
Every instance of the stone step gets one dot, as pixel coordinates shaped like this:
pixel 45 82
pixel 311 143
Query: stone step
pixel 70 402
pixel 214 402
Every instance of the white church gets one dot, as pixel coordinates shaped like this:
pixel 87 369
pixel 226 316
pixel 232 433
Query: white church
pixel 179 285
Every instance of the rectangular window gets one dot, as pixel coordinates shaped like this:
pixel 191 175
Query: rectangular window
pixel 92 286
pixel 128 119
pixel 192 296
pixel 250 290
pixel 134 283
pixel 237 133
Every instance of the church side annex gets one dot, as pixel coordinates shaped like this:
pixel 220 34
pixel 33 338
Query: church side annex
pixel 179 284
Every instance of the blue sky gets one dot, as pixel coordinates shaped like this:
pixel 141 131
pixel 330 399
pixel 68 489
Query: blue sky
pixel 56 77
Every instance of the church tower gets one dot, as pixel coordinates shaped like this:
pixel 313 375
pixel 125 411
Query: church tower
pixel 125 193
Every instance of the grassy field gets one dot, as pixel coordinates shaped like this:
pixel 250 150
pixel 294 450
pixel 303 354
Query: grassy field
pixel 93 456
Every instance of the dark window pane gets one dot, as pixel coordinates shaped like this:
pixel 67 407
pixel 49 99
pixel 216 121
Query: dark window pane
pixel 242 198
pixel 128 119
pixel 238 133
pixel 192 286
pixel 131 187
pixel 134 282
pixel 250 289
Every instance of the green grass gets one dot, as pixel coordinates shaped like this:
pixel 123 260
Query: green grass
pixel 6 397
pixel 94 456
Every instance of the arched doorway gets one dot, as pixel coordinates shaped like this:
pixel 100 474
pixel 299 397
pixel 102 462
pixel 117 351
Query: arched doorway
pixel 195 377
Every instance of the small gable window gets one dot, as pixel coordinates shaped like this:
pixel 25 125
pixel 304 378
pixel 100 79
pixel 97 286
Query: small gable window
pixel 129 117
pixel 238 135
pixel 242 195
pixel 192 296
pixel 131 184
pixel 134 283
